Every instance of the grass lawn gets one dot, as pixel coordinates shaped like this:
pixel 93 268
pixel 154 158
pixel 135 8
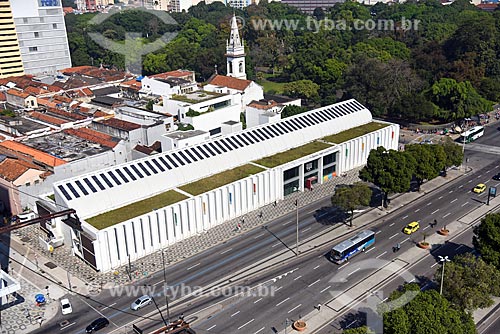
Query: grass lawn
pixel 292 154
pixel 268 86
pixel 354 132
pixel 218 180
pixel 130 211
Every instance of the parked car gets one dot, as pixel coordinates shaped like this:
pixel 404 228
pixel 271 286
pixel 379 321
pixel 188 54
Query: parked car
pixel 96 325
pixel 66 306
pixel 141 302
pixel 411 228
pixel 496 177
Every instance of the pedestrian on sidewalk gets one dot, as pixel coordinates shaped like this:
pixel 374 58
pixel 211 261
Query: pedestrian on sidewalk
pixel 318 307
pixel 238 227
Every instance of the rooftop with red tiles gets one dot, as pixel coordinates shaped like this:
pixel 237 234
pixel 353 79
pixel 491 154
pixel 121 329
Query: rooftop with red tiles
pixel 11 169
pixel 35 154
pixel 120 124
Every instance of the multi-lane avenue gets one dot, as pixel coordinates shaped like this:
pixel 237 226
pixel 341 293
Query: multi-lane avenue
pixel 310 279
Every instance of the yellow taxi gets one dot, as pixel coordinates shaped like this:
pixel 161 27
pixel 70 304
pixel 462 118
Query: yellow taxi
pixel 411 228
pixel 479 188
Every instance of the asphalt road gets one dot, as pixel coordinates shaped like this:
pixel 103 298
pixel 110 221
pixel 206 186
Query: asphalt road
pixel 308 281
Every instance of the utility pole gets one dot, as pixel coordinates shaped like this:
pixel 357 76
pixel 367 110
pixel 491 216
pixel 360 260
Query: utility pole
pixel 166 285
pixel 297 234
pixel 69 281
pixel 444 260
pixel 161 315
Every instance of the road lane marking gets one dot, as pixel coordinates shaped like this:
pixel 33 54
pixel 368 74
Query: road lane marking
pixel 465 204
pixel 440 197
pixel 405 240
pixel 478 177
pixel 246 323
pixel 435 264
pixel 456 199
pixel 381 254
pixel 446 215
pixel 232 315
pixel 69 325
pixel 296 307
pixel 378 232
pixel 306 229
pixel 328 287
pixel 158 283
pixel 317 266
pixel 211 327
pixel 227 250
pixel 196 265
pixel 260 330
pixel 459 247
pixel 286 223
pixel 370 249
pixel 393 236
pixel 425 228
pixel 258 300
pixel 353 272
pixel 392 224
pixel 405 217
pixel 284 300
pixel 469 181
pixel 449 192
pixel 258 236
pixel 417 210
pixel 433 212
pixel 461 186
pixel 489 170
pixel 429 203
pixel 342 266
pixel 276 244
pixel 313 283
pixel 108 306
pixel 278 289
pixel 296 278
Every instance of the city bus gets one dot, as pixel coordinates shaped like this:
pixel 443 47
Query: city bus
pixel 350 247
pixel 472 134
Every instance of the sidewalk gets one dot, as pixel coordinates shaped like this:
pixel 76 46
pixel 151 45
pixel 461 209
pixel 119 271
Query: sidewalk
pixel 337 306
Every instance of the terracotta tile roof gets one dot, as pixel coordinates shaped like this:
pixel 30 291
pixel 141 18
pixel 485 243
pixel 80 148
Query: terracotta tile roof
pixel 36 155
pixel 88 92
pixel 230 82
pixel 47 118
pixel 93 136
pixel 53 88
pixel 71 115
pixel 62 98
pixel 99 113
pixel 11 169
pixel 34 90
pixel 17 92
pixel 2 96
pixel 176 73
pixel 263 104
pixel 132 84
pixel 46 103
pixel 77 69
pixel 120 124
pixel 4 81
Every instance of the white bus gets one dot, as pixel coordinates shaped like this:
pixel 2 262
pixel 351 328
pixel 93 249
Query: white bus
pixel 350 247
pixel 472 134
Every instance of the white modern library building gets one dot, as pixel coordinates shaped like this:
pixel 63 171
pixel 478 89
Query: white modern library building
pixel 139 207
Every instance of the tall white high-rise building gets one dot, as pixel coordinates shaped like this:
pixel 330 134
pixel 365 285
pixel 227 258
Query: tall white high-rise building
pixel 42 35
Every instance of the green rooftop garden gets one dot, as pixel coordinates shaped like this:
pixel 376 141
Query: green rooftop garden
pixel 130 211
pixel 218 180
pixel 292 154
pixel 354 132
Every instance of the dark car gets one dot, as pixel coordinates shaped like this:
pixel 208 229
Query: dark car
pixel 497 177
pixel 97 324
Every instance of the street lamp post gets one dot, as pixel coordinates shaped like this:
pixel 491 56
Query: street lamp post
pixel 444 260
pixel 166 285
pixel 297 230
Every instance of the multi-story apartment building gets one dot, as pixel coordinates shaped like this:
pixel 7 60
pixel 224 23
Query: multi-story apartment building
pixel 10 56
pixel 42 35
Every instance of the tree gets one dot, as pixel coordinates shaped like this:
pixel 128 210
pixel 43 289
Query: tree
pixel 425 162
pixel 305 89
pixel 391 170
pixel 487 239
pixel 469 282
pixel 292 110
pixel 358 330
pixel 454 153
pixel 350 198
pixel 428 312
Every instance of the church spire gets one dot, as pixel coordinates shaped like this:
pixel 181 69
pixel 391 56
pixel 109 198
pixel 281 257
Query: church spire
pixel 235 52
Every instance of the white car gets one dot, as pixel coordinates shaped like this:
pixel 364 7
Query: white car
pixel 141 302
pixel 66 306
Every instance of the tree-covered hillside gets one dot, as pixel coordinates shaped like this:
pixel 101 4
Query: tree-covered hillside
pixel 445 67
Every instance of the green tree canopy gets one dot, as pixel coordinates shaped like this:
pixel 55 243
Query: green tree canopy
pixel 350 198
pixel 487 239
pixel 469 282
